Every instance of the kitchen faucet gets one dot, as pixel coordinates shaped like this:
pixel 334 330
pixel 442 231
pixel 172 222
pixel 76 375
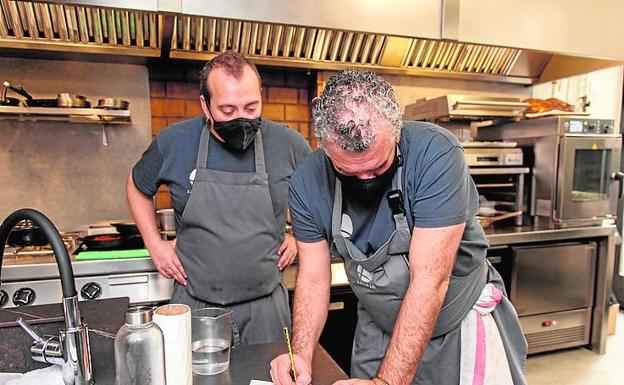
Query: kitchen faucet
pixel 71 349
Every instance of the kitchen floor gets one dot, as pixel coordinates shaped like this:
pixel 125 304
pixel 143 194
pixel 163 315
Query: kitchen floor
pixel 580 366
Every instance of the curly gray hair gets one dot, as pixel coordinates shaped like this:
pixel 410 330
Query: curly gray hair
pixel 346 93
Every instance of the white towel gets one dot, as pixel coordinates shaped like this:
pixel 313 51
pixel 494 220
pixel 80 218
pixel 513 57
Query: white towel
pixel 483 357
pixel 52 375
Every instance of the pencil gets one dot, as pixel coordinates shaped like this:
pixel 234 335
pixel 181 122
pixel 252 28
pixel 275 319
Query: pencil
pixel 290 355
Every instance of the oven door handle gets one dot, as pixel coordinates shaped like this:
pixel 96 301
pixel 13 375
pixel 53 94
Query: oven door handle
pixel 619 176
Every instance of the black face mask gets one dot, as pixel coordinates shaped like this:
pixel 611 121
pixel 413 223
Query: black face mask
pixel 368 192
pixel 238 133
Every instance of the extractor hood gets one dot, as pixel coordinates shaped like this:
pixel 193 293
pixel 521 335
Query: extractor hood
pixel 401 37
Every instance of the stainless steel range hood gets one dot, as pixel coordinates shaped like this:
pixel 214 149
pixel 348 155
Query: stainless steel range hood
pixel 405 37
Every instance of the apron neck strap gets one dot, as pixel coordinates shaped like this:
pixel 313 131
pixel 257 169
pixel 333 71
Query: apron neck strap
pixel 204 141
pixel 259 153
pixel 202 154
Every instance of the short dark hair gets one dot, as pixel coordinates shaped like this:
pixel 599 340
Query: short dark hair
pixel 230 61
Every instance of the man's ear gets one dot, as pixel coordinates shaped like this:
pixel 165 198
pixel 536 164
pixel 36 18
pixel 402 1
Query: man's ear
pixel 204 106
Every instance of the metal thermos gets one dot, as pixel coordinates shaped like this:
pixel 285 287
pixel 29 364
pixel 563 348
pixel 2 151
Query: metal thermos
pixel 139 350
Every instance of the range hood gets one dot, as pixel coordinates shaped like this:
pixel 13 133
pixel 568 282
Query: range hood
pixel 417 38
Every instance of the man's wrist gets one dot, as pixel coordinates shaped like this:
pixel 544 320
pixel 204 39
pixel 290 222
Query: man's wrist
pixel 379 381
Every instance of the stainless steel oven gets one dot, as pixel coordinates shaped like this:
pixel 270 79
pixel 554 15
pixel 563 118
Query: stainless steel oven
pixel 585 185
pixel 576 162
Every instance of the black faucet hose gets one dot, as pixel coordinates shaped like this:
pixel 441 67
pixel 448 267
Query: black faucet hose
pixel 60 252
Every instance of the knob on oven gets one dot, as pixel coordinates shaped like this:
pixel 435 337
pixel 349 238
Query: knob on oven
pixel 91 290
pixel 24 297
pixel 4 298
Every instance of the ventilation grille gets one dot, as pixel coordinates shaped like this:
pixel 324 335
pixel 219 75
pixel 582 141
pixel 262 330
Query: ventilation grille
pixel 460 57
pixel 539 341
pixel 78 25
pixel 267 40
pixel 205 34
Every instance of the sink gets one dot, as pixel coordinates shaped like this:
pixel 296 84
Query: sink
pixel 4 377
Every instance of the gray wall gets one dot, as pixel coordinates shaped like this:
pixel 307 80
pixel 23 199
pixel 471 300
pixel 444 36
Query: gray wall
pixel 63 169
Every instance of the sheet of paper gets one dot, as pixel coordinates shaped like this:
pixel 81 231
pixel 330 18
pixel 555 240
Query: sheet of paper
pixel 258 382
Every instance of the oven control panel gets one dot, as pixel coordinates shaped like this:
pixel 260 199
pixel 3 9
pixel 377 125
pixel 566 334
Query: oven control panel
pixel 588 126
pixel 147 287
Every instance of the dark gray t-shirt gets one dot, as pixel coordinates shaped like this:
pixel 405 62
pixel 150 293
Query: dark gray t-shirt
pixel 171 158
pixel 437 191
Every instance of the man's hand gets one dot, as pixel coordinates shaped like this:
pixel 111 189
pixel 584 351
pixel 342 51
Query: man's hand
pixel 287 252
pixel 164 257
pixel 280 371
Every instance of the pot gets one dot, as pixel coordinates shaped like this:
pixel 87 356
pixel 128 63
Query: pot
pixel 113 104
pixel 167 219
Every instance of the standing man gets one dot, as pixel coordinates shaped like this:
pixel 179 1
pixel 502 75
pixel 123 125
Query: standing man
pixel 228 174
pixel 395 200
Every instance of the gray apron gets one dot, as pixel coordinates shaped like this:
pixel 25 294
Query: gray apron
pixel 381 280
pixel 228 239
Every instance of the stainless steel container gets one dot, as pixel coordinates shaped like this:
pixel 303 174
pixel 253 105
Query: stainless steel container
pixel 166 218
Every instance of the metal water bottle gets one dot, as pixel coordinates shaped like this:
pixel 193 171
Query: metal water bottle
pixel 139 350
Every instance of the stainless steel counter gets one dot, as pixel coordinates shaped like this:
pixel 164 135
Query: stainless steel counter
pixel 43 268
pixel 526 234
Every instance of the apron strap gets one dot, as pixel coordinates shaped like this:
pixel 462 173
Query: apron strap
pixel 337 220
pixel 259 153
pixel 204 141
pixel 202 154
pixel 400 220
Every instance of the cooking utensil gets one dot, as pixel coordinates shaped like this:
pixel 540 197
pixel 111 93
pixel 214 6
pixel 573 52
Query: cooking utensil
pixel 62 100
pixel 72 101
pixel 27 237
pixel 126 229
pixel 487 221
pixel 112 242
pixel 8 101
pixel 113 104
pixel 30 101
pixel 17 89
pixel 26 234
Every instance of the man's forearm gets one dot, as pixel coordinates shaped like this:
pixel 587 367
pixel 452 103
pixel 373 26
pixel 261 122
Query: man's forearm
pixel 412 332
pixel 142 210
pixel 432 254
pixel 309 315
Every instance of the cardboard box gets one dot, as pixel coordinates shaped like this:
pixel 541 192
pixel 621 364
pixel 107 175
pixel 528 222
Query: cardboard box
pixel 612 318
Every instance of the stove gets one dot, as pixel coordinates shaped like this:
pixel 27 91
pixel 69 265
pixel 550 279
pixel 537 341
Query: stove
pixel 30 277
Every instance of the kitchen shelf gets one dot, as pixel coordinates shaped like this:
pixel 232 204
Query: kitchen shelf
pixel 73 115
pixel 499 171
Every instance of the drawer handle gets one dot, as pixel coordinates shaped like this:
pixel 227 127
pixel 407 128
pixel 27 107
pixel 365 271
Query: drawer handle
pixel 127 280
pixel 336 306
